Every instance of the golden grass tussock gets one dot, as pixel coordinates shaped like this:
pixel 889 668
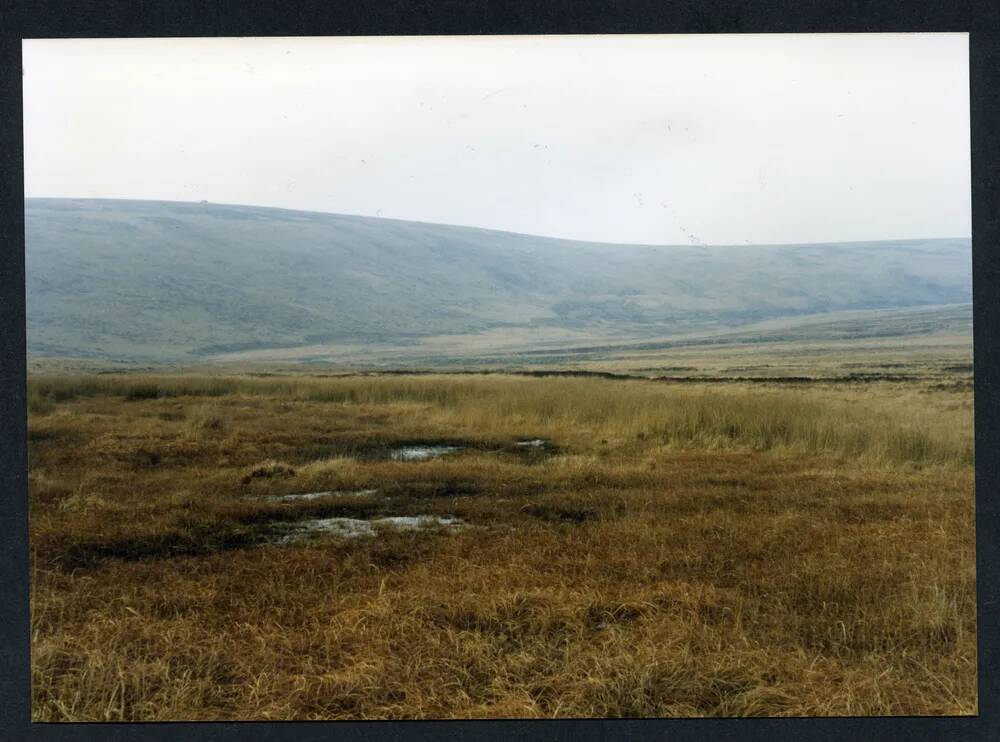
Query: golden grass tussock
pixel 205 420
pixel 626 549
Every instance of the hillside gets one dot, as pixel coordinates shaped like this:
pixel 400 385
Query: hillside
pixel 165 281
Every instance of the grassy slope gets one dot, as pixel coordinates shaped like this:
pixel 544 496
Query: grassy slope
pixel 687 551
pixel 170 281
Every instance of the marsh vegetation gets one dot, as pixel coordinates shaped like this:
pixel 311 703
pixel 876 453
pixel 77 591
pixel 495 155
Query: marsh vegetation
pixel 626 547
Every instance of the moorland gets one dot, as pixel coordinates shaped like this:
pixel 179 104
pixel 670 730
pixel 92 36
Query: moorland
pixel 292 465
pixel 301 544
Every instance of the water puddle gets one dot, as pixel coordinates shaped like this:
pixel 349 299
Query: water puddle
pixel 422 453
pixel 534 443
pixel 533 449
pixel 356 527
pixel 305 496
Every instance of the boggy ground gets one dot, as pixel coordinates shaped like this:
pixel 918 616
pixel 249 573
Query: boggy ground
pixel 672 550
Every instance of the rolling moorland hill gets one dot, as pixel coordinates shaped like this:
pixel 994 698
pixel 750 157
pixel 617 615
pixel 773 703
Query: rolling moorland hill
pixel 166 281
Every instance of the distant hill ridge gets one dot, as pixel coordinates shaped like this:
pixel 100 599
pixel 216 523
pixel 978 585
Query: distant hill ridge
pixel 162 281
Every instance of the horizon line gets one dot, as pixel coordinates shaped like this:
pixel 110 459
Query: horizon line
pixel 205 202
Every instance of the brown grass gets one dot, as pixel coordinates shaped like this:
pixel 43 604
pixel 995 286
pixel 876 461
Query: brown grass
pixel 674 551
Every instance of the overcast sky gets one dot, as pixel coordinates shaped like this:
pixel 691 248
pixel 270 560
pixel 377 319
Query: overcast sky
pixel 643 139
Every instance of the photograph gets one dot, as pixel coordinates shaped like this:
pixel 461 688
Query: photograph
pixel 443 377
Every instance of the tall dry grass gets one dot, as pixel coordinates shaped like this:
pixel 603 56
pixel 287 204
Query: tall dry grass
pixel 674 551
pixel 877 427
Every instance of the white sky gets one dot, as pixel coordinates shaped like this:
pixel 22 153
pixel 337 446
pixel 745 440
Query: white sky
pixel 648 139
